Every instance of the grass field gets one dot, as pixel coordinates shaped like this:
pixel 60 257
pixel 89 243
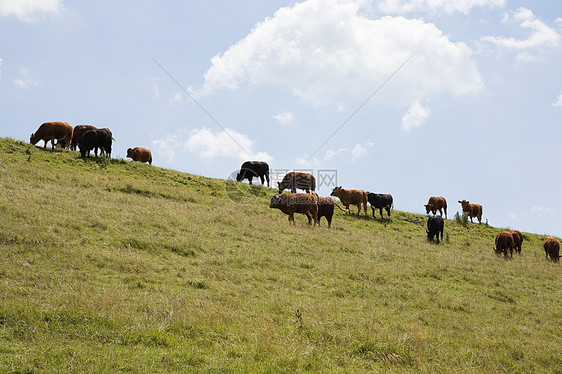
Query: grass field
pixel 114 266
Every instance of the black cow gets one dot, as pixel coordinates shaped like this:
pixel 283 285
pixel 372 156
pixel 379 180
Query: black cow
pixel 251 169
pixel 435 226
pixel 380 201
pixel 94 139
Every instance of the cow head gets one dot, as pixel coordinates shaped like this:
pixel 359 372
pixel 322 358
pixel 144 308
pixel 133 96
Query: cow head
pixel 33 139
pixel 464 203
pixel 130 152
pixel 429 208
pixel 282 185
pixel 276 201
pixel 336 191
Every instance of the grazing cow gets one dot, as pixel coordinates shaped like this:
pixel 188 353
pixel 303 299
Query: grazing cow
pixel 472 210
pixel 52 131
pixel 326 209
pixel 140 154
pixel 77 134
pixel 351 197
pixel 517 240
pixel 94 139
pixel 291 203
pixel 294 180
pixel 504 243
pixel 380 201
pixel 251 169
pixel 106 142
pixel 435 225
pixel 552 248
pixel 436 203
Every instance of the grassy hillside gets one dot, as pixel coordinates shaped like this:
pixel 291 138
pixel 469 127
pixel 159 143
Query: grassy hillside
pixel 110 265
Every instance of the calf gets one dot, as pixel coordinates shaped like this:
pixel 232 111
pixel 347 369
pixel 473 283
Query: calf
pixel 294 180
pixel 251 169
pixel 517 240
pixel 380 201
pixel 140 154
pixel 351 197
pixel 552 248
pixel 435 225
pixel 52 131
pixel 436 203
pixel 291 203
pixel 94 139
pixel 472 210
pixel 326 209
pixel 504 243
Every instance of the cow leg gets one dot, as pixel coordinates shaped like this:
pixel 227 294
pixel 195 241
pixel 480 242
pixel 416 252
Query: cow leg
pixel 373 210
pixel 250 179
pixel 380 211
pixel 388 211
pixel 262 179
pixel 267 177
pixel 309 216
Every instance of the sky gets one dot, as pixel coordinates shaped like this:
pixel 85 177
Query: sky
pixel 416 98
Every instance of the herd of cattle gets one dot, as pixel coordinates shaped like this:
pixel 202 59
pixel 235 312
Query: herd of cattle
pixel 86 137
pixel 89 138
pixel 315 207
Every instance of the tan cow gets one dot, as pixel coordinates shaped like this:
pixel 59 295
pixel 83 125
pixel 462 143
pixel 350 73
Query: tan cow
pixel 436 203
pixel 504 243
pixel 517 240
pixel 53 131
pixel 472 210
pixel 351 197
pixel 552 248
pixel 77 134
pixel 291 203
pixel 140 154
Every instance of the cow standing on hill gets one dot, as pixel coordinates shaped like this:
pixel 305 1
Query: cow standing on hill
pixel 380 201
pixel 436 203
pixel 77 134
pixel 53 131
pixel 351 197
pixel 504 243
pixel 472 210
pixel 140 154
pixel 294 180
pixel 435 225
pixel 291 203
pixel 106 142
pixel 552 248
pixel 517 240
pixel 94 139
pixel 251 169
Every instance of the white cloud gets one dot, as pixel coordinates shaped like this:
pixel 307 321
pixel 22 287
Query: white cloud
pixel 414 117
pixel 29 10
pixel 540 36
pixel 432 6
pixel 284 118
pixel 0 67
pixel 27 78
pixel 178 98
pixel 330 153
pixel 325 51
pixel 360 150
pixel 154 82
pixel 558 101
pixel 542 209
pixel 167 146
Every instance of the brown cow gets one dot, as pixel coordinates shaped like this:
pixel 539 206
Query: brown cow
pixel 436 203
pixel 291 203
pixel 517 240
pixel 552 248
pixel 472 210
pixel 140 154
pixel 294 180
pixel 504 243
pixel 77 134
pixel 351 197
pixel 52 131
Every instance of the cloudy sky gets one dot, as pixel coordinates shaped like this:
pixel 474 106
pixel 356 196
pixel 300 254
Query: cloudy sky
pixel 415 98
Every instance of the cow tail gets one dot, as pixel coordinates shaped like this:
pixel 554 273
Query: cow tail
pixel 343 210
pixel 313 184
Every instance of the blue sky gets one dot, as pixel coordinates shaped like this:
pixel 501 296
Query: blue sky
pixel 472 109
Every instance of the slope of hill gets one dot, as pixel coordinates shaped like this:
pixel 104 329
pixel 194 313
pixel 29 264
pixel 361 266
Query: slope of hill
pixel 110 265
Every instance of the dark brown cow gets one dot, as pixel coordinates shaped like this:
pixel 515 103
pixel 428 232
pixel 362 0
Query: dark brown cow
pixel 106 148
pixel 351 197
pixel 436 203
pixel 294 180
pixel 552 248
pixel 77 134
pixel 291 203
pixel 504 243
pixel 517 240
pixel 140 154
pixel 326 209
pixel 472 210
pixel 53 131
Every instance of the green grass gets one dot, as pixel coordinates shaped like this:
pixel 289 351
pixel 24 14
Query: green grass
pixel 115 266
